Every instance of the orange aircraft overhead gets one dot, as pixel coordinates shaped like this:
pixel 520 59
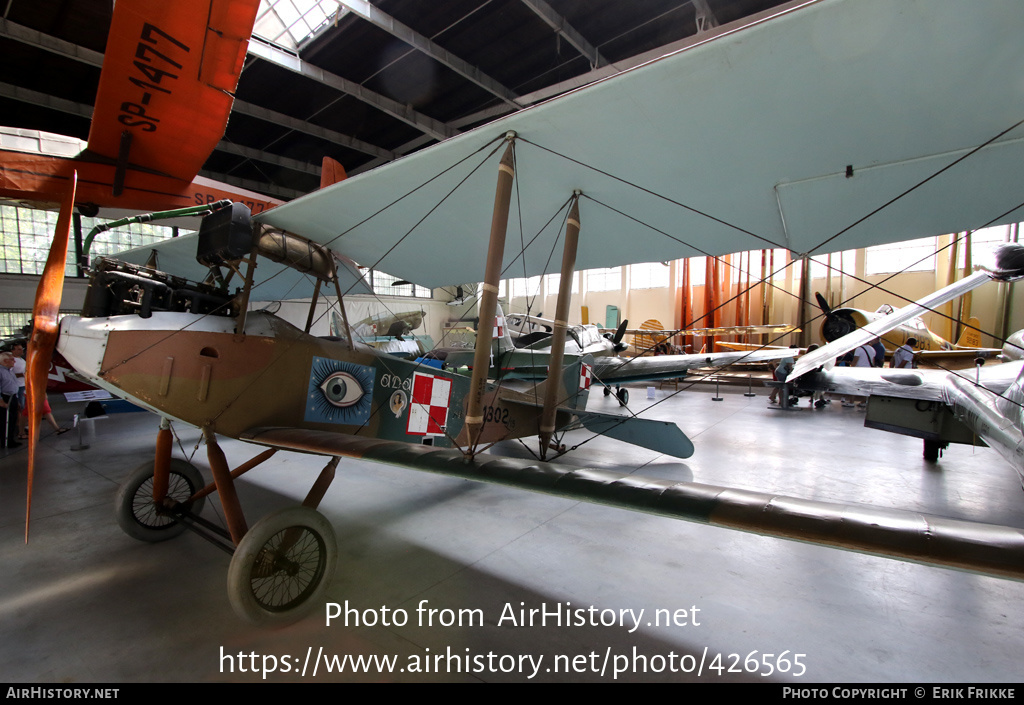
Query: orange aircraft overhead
pixel 163 102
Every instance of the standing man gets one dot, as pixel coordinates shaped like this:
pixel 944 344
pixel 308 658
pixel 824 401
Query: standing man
pixel 863 356
pixel 18 348
pixel 904 356
pixel 8 402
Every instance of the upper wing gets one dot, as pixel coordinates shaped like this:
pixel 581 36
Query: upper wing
pixel 730 144
pixel 169 73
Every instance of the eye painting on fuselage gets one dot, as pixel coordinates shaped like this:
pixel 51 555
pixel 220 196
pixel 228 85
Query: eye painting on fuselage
pixel 339 392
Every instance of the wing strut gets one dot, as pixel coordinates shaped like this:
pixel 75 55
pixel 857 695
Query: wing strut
pixel 489 292
pixel 554 385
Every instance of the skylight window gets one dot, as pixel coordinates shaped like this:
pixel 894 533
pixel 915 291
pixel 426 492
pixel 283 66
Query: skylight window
pixel 289 23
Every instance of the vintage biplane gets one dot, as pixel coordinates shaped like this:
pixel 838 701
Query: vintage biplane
pixel 166 89
pixel 903 118
pixel 529 357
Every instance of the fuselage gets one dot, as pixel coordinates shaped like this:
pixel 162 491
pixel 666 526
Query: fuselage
pixel 194 368
pixel 846 320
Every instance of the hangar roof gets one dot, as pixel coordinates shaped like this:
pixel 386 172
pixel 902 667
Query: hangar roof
pixel 361 82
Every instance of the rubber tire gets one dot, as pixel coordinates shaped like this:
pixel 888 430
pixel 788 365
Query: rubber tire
pixel 135 496
pixel 607 391
pixel 318 535
pixel 623 396
pixel 933 451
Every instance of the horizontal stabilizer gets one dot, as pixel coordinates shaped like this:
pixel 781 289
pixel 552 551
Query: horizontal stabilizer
pixel 660 436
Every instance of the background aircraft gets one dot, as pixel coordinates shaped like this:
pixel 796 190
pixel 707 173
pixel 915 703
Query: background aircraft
pixel 165 93
pixel 841 321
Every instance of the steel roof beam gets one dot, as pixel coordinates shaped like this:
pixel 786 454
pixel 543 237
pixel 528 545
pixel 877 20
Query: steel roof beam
pixel 37 39
pixel 566 31
pixel 705 17
pixel 268 158
pixel 251 110
pixel 389 24
pixel 25 95
pixel 435 128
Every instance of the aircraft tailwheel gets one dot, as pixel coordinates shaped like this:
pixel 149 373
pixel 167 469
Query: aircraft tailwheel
pixel 136 512
pixel 623 396
pixel 282 566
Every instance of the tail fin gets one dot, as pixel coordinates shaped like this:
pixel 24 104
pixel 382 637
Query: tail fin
pixel 502 339
pixel 576 380
pixel 971 337
pixel 331 172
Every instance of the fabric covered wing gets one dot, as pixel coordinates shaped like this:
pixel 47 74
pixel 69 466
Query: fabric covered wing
pixel 733 143
pixel 169 73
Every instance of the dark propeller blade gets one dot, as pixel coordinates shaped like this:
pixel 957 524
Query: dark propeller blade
pixel 617 338
pixel 822 304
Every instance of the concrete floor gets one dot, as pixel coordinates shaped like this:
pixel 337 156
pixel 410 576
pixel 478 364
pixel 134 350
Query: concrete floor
pixel 84 602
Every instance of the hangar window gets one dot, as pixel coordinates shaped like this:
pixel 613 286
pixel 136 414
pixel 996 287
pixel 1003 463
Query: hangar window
pixel 25 236
pixel 650 275
pixel 387 285
pixel 909 256
pixel 551 283
pixel 524 287
pixel 291 22
pixel 840 263
pixel 983 245
pixel 126 237
pixel 13 321
pixel 604 279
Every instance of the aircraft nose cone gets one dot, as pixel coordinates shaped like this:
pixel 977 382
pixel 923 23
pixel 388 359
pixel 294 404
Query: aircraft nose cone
pixel 836 327
pixel 82 343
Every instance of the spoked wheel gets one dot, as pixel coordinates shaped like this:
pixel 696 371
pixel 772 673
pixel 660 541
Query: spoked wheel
pixel 282 566
pixel 138 515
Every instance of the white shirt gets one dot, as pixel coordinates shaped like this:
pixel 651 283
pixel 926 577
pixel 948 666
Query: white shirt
pixel 19 370
pixel 903 357
pixel 863 355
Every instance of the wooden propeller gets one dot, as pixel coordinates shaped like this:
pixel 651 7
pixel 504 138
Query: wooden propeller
pixel 44 331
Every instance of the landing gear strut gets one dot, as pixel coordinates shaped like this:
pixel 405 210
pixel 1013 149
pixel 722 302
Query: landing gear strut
pixel 279 568
pixel 141 517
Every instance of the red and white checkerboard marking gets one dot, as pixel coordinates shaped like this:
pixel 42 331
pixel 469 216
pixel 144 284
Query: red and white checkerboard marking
pixel 499 326
pixel 428 409
pixel 586 376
